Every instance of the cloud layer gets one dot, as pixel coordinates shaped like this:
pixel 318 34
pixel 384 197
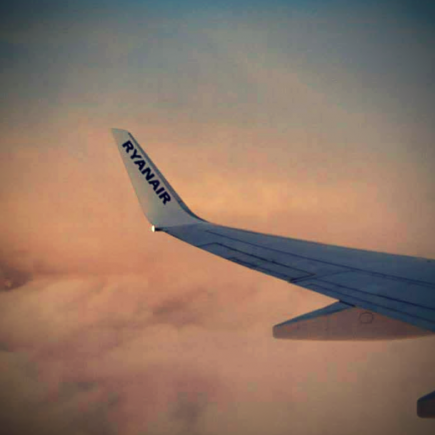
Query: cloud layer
pixel 309 123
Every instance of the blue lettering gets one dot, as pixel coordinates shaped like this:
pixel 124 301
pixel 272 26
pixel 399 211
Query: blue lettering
pixel 128 146
pixel 140 163
pixel 165 197
pixel 155 184
pixel 147 173
pixel 135 154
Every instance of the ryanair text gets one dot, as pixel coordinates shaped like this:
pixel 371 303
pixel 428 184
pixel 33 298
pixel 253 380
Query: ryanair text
pixel 146 172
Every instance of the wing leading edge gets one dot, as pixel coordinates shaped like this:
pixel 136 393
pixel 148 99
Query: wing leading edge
pixel 378 291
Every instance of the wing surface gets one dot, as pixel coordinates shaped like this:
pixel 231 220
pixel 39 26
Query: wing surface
pixel 397 286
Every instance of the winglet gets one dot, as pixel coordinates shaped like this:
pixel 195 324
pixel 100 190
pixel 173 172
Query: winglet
pixel 160 203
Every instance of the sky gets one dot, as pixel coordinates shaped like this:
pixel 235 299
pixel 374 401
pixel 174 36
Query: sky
pixel 307 119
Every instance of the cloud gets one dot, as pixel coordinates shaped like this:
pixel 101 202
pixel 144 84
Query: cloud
pixel 78 377
pixel 132 354
pixel 29 405
pixel 270 122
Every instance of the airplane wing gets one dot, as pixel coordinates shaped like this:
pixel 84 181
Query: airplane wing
pixel 379 295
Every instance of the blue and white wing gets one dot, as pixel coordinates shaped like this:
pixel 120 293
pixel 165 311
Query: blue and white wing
pixel 379 295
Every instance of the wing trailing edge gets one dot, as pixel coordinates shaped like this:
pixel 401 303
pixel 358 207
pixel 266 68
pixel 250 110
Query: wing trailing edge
pixel 341 321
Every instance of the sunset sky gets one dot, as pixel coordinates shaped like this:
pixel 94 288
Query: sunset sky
pixel 307 119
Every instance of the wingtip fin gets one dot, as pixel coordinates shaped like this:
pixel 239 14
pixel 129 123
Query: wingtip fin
pixel 160 203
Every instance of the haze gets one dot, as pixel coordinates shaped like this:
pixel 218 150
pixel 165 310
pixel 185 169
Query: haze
pixel 307 119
